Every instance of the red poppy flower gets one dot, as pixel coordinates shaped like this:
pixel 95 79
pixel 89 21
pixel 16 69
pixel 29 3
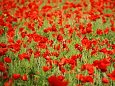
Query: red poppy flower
pixel 63 61
pixel 33 5
pixel 54 81
pixel 31 26
pixel 112 75
pixel 46 55
pixel 110 52
pixel 2 67
pixel 94 51
pixel 89 79
pixel 53 28
pixel 60 38
pixel 79 77
pixel 3 45
pixel 7 60
pixel 102 67
pixel 102 64
pixel 99 32
pixel 23 34
pixel 74 57
pixel 104 50
pixel 113 29
pixel 55 54
pixel 8 83
pixel 21 29
pixel 71 61
pixel 106 31
pixel 86 42
pixel 2 23
pixel 103 19
pixel 15 47
pixel 84 79
pixel 113 46
pixel 89 68
pixel 16 76
pixel 62 69
pixel 82 29
pixel 105 80
pixel 37 54
pixel 46 8
pixel 46 30
pixel 1 31
pixel 24 55
pixel 10 33
pixel 93 17
pixel 42 45
pixel 60 77
pixel 3 51
pixel 22 1
pixel 46 68
pixel 10 40
pixel 89 28
pixel 77 46
pixel 24 77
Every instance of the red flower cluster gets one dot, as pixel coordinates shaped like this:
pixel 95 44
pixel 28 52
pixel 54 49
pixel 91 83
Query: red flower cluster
pixel 56 81
pixel 18 76
pixel 84 79
pixel 112 75
pixel 102 64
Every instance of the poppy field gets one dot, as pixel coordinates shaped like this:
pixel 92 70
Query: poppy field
pixel 57 42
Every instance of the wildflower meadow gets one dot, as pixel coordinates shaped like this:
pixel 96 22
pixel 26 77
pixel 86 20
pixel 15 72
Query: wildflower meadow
pixel 57 42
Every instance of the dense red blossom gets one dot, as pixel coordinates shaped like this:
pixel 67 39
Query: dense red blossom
pixel 3 45
pixel 112 75
pixel 105 80
pixel 106 31
pixel 84 79
pixel 89 68
pixel 60 38
pixel 46 8
pixel 15 47
pixel 86 43
pixel 7 60
pixel 24 56
pixel 16 76
pixel 99 32
pixel 37 54
pixel 3 51
pixel 77 46
pixel 56 81
pixel 2 67
pixel 102 64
